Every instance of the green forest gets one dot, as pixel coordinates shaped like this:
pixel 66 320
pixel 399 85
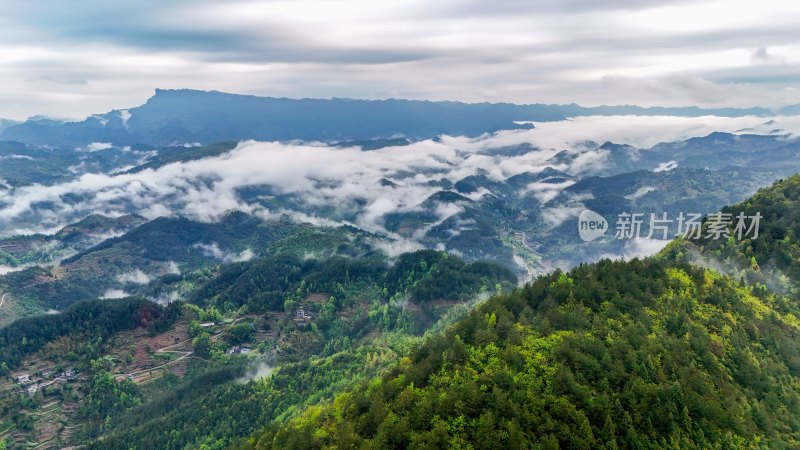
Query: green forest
pixel 95 319
pixel 373 312
pixel 773 258
pixel 638 354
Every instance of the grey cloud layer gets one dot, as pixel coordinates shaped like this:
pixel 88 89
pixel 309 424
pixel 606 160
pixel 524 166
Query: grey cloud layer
pixel 75 58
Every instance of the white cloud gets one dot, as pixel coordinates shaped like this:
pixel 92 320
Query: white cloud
pixel 639 248
pixel 8 269
pixel 214 251
pixel 98 146
pixel 173 268
pixel 666 166
pixel 125 116
pixel 554 217
pixel 641 192
pixel 114 294
pixel 398 247
pixel 544 191
pixel 29 158
pixel 165 298
pixel 134 277
pixel 589 162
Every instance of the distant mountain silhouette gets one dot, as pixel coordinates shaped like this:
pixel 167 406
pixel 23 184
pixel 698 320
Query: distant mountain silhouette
pixel 190 116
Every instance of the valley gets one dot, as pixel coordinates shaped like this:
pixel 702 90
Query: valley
pixel 181 344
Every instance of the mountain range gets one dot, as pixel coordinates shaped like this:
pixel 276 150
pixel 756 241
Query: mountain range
pixel 395 274
pixel 181 116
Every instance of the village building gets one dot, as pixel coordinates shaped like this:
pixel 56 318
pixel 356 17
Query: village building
pixel 235 350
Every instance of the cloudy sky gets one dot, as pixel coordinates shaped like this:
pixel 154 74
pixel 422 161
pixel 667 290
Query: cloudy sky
pixel 71 59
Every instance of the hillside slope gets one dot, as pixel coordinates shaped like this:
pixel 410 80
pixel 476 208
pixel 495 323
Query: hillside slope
pixel 637 354
pixel 189 371
pixel 772 258
pixel 651 353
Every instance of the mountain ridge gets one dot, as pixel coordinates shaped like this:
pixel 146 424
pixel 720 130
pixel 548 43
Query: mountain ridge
pixel 174 116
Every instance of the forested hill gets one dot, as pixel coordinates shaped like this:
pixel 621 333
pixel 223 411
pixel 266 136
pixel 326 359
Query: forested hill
pixel 773 258
pixel 653 353
pixel 316 326
pixel 639 354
